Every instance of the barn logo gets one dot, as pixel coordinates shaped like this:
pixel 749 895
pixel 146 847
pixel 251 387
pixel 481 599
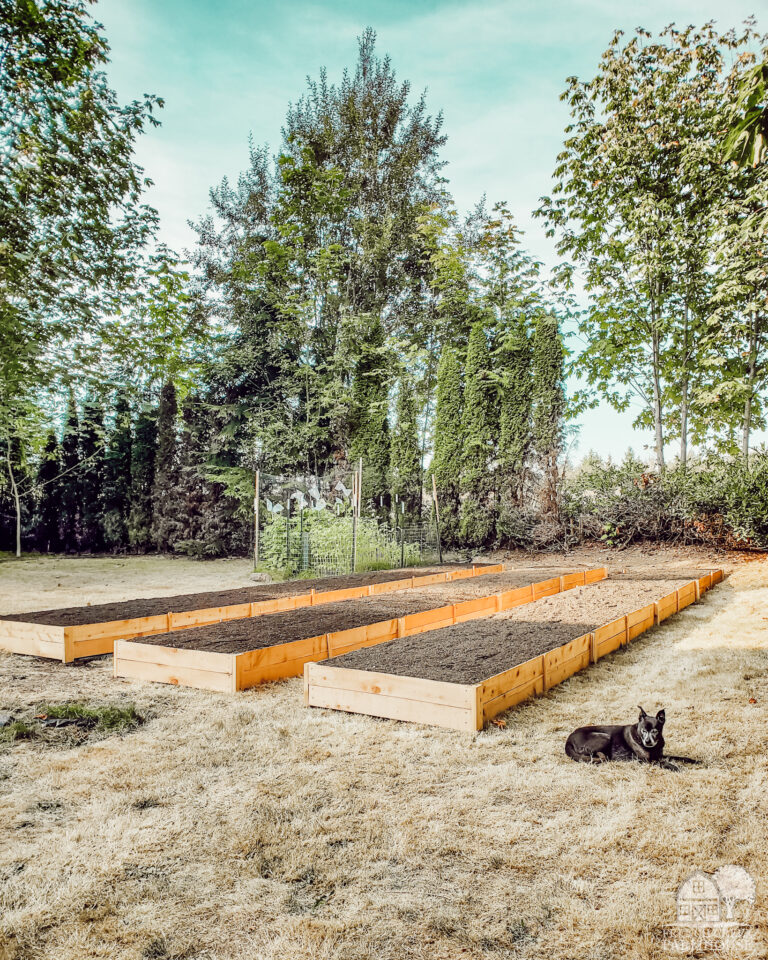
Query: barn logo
pixel 715 900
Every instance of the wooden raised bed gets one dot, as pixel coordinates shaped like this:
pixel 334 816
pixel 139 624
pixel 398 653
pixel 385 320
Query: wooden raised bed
pixel 470 706
pixel 91 639
pixel 237 671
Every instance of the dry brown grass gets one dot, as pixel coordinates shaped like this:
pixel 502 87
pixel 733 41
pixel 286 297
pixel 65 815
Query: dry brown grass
pixel 248 827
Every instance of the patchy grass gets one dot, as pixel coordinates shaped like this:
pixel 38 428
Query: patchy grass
pixel 110 718
pixel 247 826
pixel 18 730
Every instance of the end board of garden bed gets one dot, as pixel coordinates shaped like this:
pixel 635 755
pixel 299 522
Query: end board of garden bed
pixel 93 639
pixel 207 670
pixel 470 706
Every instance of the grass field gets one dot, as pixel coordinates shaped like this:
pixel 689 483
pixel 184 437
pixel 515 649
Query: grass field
pixel 249 827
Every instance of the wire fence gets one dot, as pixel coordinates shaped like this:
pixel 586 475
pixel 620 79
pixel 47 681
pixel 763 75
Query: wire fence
pixel 314 526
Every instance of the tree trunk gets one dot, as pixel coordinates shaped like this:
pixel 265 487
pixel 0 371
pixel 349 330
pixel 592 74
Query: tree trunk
pixel 746 424
pixel 684 397
pixel 659 428
pixel 16 499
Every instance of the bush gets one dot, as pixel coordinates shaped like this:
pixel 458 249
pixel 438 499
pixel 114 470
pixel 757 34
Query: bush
pixel 717 501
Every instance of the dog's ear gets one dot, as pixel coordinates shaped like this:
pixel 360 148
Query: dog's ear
pixel 642 712
pixel 661 717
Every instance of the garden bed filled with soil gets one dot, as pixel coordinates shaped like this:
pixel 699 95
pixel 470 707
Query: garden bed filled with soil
pixel 239 636
pixel 471 652
pixel 464 675
pixel 152 606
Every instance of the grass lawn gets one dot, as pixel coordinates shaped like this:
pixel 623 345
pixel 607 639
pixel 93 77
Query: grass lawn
pixel 246 826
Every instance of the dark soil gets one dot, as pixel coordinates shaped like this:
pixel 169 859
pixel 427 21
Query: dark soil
pixel 237 636
pixel 152 606
pixel 474 651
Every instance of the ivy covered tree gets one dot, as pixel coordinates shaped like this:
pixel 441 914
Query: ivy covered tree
pixel 71 500
pixel 117 475
pixel 48 492
pixel 405 469
pixel 165 514
pixel 143 455
pixel 516 392
pixel 479 422
pixel 91 476
pixel 369 414
pixel 448 444
pixel 548 378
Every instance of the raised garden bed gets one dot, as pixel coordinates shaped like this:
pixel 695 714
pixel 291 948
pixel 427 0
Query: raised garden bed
pixel 240 654
pixel 463 676
pixel 75 632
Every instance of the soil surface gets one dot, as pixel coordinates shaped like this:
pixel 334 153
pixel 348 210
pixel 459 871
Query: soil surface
pixel 474 651
pixel 254 633
pixel 152 606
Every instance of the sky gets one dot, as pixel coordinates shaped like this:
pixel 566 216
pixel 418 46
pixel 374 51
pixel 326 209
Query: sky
pixel 228 69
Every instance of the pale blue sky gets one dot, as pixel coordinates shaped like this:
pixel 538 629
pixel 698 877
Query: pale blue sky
pixel 495 68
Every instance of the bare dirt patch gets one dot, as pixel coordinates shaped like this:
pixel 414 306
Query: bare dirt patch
pixel 237 636
pixel 474 651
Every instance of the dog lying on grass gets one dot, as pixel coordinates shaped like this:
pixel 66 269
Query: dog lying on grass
pixel 636 741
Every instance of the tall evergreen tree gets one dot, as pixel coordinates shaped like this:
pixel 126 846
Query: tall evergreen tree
pixel 448 443
pixel 165 519
pixel 548 404
pixel 405 468
pixel 117 476
pixel 70 480
pixel 514 359
pixel 479 423
pixel 48 513
pixel 92 475
pixel 143 453
pixel 369 421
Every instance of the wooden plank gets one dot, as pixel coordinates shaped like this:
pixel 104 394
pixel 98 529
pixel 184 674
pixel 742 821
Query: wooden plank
pixel 32 639
pixel 567 668
pixel 346 639
pixel 594 576
pixel 686 595
pixel 120 629
pixel 459 575
pixel 639 621
pixel 391 685
pixel 418 582
pixel 717 576
pixel 491 568
pixel 472 609
pixel 517 597
pixel 610 636
pixel 91 648
pixel 563 654
pixel 268 673
pixel 571 580
pixel 705 583
pixel 128 650
pixel 429 619
pixel 312 647
pixel 546 588
pixel 516 676
pixel 391 708
pixel 177 675
pixel 666 606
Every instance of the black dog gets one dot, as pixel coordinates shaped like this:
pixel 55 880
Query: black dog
pixel 638 741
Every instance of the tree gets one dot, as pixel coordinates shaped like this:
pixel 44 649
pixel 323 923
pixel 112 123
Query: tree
pixel 91 476
pixel 117 475
pixel 165 517
pixel 747 140
pixel 72 221
pixel 516 389
pixel 448 443
pixel 48 491
pixel 143 454
pixel 405 468
pixel 548 376
pixel 369 420
pixel 634 205
pixel 734 884
pixel 71 500
pixel 478 429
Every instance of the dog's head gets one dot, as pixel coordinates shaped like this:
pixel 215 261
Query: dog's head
pixel 649 728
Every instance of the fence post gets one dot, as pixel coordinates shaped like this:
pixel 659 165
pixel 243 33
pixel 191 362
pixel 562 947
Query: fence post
pixel 354 523
pixel 437 519
pixel 256 493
